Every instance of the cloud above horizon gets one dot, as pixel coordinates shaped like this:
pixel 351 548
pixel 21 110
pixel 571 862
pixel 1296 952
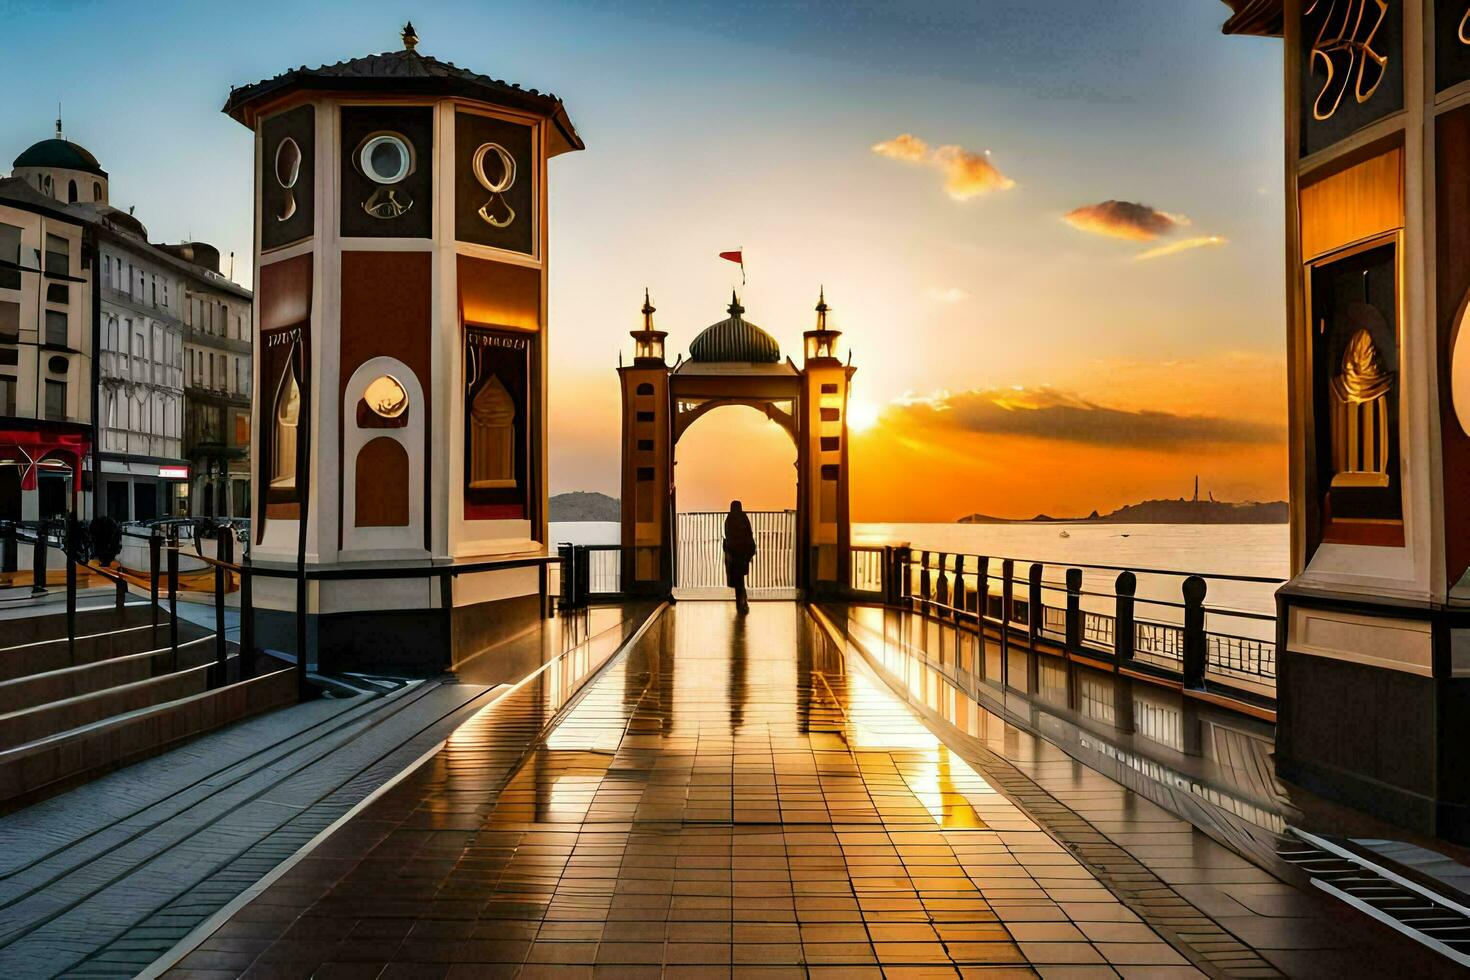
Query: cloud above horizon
pixel 1046 413
pixel 1124 219
pixel 967 174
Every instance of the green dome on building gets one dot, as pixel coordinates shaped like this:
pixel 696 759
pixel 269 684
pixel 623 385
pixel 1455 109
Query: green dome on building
pixel 60 154
pixel 734 339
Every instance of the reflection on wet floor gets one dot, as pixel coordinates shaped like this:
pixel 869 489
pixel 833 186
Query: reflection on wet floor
pixel 1200 762
pixel 732 792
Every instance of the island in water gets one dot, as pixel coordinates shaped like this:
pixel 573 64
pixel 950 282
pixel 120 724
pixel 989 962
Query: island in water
pixel 581 505
pixel 1178 511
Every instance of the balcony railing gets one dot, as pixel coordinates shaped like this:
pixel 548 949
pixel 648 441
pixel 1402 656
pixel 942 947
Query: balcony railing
pixel 1155 621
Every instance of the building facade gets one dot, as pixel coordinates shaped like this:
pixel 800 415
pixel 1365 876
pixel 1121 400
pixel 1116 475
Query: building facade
pixel 400 261
pixel 1374 638
pixel 217 380
pixel 168 328
pixel 46 365
pixel 142 471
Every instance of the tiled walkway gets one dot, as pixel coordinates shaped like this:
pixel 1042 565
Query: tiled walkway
pixel 732 796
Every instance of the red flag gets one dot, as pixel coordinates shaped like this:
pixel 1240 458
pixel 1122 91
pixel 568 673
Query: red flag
pixel 738 257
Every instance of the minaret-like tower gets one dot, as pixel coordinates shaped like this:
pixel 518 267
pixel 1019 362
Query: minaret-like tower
pixel 822 457
pixel 647 487
pixel 400 302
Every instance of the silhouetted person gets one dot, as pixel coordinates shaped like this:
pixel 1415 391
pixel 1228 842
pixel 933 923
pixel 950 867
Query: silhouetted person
pixel 739 550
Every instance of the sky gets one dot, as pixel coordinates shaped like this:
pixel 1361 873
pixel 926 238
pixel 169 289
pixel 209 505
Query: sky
pixel 1049 229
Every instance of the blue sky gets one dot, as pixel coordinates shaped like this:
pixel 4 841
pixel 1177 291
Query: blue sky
pixel 716 125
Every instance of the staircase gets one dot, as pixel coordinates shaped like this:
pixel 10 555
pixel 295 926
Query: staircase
pixel 118 692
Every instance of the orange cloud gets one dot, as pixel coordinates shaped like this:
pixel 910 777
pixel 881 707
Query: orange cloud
pixel 1124 219
pixel 1044 413
pixel 967 174
pixel 904 146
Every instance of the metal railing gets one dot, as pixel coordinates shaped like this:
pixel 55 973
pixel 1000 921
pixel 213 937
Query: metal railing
pixel 701 555
pixel 1091 610
pixel 166 540
pixel 865 569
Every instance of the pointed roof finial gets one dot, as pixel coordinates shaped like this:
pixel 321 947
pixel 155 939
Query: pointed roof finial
pixel 734 309
pixel 648 310
pixel 58 121
pixel 822 307
pixel 410 36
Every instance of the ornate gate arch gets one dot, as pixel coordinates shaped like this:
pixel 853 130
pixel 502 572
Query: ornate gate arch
pixel 735 362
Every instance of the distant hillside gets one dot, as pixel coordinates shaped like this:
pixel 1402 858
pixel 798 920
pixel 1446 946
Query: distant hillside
pixel 1180 511
pixel 583 506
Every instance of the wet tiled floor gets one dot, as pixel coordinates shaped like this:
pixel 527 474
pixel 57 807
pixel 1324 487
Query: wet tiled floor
pixel 733 796
pixel 729 796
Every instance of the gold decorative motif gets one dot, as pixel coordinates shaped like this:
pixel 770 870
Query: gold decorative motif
pixel 386 397
pixel 1464 23
pixel 498 186
pixel 288 418
pixel 1345 43
pixel 492 437
pixel 1360 434
pixel 1363 378
pixel 386 159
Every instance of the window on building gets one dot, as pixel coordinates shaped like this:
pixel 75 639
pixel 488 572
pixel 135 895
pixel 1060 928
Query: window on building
pixel 9 252
pixel 221 372
pixel 55 399
pixel 96 190
pixel 155 290
pixel 7 395
pixel 58 292
pixel 71 192
pixel 58 256
pixel 9 322
pixel 56 327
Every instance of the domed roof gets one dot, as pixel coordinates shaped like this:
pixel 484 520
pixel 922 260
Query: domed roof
pixel 734 339
pixel 62 154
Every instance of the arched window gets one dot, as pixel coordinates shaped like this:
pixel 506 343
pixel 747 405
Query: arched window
pixel 645 389
pixel 382 484
pixel 492 437
pixel 287 417
pixel 96 190
pixel 71 192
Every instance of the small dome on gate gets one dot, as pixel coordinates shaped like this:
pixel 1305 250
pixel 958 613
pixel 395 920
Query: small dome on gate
pixel 734 339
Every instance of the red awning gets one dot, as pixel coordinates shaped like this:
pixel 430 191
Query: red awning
pixel 30 447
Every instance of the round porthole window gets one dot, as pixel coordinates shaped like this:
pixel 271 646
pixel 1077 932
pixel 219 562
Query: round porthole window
pixel 288 163
pixel 57 365
pixel 385 158
pixel 386 397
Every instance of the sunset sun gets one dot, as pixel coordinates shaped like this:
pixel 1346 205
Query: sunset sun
pixel 861 415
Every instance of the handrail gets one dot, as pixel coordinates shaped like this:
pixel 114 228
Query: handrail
pixel 1136 569
pixel 961 588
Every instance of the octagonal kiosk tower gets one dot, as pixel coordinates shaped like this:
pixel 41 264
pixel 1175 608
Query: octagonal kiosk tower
pixel 398 452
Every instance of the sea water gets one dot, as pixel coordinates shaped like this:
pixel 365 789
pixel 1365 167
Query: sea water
pixel 1258 550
